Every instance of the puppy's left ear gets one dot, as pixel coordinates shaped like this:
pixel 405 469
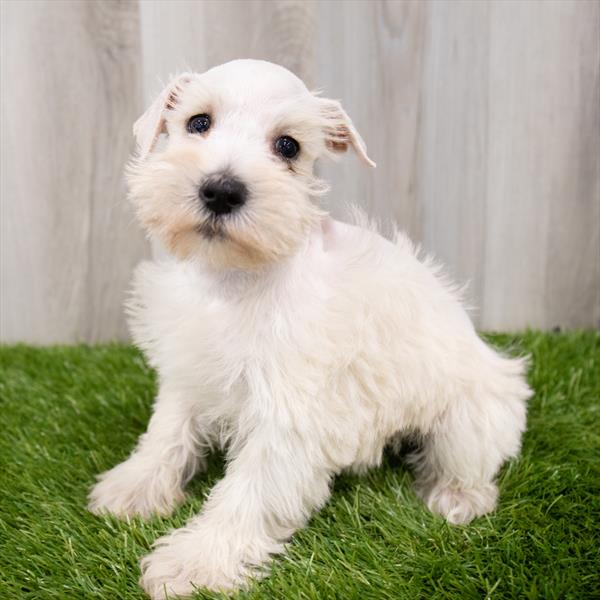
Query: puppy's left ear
pixel 340 132
pixel 152 123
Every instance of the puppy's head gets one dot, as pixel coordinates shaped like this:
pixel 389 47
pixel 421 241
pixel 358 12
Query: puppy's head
pixel 233 182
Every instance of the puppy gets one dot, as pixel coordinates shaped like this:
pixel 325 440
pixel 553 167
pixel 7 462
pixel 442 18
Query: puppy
pixel 299 344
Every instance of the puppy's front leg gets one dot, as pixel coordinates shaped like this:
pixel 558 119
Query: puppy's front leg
pixel 151 480
pixel 270 488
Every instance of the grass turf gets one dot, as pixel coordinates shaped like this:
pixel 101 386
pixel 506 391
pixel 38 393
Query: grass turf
pixel 68 413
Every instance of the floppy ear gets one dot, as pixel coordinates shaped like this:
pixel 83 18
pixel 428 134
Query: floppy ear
pixel 340 131
pixel 152 123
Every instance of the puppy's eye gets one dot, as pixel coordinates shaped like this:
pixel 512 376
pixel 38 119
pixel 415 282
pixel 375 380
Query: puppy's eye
pixel 199 124
pixel 287 147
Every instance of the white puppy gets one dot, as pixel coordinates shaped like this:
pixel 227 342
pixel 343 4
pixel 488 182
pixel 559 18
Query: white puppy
pixel 300 344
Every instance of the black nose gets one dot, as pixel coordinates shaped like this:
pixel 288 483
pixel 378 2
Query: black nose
pixel 223 193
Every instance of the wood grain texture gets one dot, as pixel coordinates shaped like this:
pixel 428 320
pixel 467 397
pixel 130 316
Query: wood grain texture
pixel 542 260
pixel 372 59
pixel 483 117
pixel 453 166
pixel 70 91
pixel 182 35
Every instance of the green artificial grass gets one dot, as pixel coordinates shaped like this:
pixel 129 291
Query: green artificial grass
pixel 68 413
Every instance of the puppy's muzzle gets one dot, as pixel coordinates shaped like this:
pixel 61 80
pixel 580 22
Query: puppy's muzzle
pixel 223 193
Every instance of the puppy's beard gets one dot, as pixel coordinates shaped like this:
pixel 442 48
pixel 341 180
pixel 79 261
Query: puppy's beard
pixel 212 228
pixel 268 229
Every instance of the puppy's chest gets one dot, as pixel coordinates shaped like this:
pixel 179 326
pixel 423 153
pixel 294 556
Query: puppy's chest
pixel 231 347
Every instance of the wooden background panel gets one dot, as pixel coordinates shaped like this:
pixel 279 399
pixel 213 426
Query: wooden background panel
pixel 182 35
pixel 483 117
pixel 573 237
pixel 542 218
pixel 453 162
pixel 43 267
pixel 69 97
pixel 372 59
pixel 116 243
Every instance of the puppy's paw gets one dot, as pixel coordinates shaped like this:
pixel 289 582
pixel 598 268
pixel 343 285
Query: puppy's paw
pixel 200 557
pixel 461 505
pixel 136 489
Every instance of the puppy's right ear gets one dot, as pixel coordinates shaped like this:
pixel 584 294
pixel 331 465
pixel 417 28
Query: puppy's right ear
pixel 340 132
pixel 152 123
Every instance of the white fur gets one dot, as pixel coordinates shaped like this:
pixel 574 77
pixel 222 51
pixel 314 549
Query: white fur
pixel 303 361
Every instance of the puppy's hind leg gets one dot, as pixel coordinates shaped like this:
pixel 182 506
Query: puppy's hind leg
pixel 151 480
pixel 460 457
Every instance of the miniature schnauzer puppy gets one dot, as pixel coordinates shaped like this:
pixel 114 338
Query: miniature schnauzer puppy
pixel 299 344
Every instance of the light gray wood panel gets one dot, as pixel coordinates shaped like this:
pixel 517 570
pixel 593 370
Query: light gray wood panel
pixel 371 57
pixel 414 77
pixel 453 166
pixel 70 91
pixel 186 35
pixel 483 117
pixel 573 245
pixel 463 108
pixel 542 219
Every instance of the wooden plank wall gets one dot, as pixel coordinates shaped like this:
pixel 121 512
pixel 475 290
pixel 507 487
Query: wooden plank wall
pixel 483 117
pixel 71 88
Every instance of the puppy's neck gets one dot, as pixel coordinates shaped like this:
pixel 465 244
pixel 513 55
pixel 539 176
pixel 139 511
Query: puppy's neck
pixel 284 274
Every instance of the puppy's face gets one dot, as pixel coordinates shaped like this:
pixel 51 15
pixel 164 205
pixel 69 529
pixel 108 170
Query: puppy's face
pixel 234 182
